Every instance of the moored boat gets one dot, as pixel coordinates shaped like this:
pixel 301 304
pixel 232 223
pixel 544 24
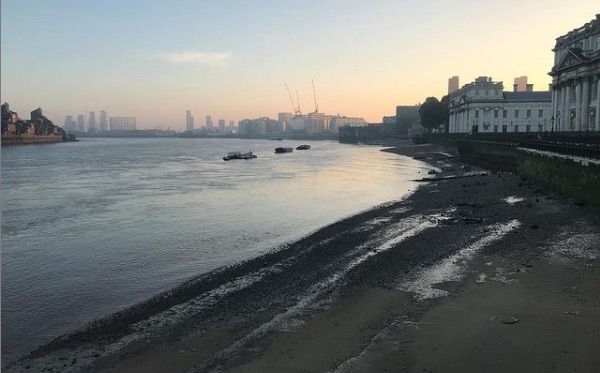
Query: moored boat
pixel 239 155
pixel 286 149
pixel 303 147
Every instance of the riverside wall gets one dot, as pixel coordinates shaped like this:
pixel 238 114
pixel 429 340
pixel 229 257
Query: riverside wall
pixel 573 178
pixel 30 139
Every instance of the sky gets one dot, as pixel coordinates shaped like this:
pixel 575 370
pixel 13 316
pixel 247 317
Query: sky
pixel 231 59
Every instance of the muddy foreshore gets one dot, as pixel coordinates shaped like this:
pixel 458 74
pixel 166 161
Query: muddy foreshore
pixel 460 276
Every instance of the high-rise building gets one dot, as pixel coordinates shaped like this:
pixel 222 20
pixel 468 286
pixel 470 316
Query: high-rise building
pixel 80 123
pixel 103 122
pixel 453 84
pixel 520 84
pixel 70 124
pixel 222 125
pixel 189 121
pixel 209 122
pixel 37 114
pixel 91 121
pixel 231 125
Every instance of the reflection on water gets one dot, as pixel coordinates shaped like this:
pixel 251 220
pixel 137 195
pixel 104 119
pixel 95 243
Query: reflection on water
pixel 95 226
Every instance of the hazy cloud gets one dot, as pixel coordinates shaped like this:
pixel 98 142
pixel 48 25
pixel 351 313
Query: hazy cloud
pixel 192 57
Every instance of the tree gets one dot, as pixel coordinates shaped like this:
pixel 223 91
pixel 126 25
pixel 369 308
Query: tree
pixel 433 113
pixel 446 113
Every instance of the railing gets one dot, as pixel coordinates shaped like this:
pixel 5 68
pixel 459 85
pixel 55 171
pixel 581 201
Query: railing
pixel 580 144
pixel 577 150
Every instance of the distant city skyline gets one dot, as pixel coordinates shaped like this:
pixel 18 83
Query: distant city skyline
pixel 366 58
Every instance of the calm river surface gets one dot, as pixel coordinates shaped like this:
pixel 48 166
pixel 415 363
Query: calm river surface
pixel 91 227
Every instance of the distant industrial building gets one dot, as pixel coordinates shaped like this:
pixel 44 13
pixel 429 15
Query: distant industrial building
pixel 389 119
pixel 406 117
pixel 122 123
pixel 575 79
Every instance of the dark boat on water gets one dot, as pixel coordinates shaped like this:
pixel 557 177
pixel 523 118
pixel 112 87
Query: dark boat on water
pixel 284 150
pixel 303 147
pixel 239 155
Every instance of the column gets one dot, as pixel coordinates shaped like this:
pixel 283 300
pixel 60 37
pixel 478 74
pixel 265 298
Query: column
pixel 597 124
pixel 578 105
pixel 554 96
pixel 585 103
pixel 564 115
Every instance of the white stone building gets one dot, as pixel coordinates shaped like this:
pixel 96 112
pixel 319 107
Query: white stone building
pixel 483 106
pixel 575 76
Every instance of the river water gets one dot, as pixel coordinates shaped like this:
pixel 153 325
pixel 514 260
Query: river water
pixel 92 227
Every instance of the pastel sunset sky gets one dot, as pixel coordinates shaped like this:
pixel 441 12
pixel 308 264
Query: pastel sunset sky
pixel 154 59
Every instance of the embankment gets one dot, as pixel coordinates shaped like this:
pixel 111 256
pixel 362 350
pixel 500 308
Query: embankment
pixel 30 139
pixel 572 177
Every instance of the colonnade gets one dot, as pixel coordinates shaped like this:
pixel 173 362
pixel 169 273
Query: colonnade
pixel 576 104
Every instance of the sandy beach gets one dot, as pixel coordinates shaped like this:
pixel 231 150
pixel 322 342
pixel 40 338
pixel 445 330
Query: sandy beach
pixel 475 271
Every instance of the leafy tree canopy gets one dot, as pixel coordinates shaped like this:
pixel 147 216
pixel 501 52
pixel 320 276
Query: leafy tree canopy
pixel 433 112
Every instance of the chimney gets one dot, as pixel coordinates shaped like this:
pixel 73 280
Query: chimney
pixel 515 87
pixel 529 88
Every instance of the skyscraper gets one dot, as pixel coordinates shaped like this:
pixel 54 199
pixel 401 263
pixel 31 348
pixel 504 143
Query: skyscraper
pixel 69 125
pixel 209 122
pixel 453 84
pixel 80 123
pixel 520 84
pixel 103 122
pixel 222 125
pixel 189 121
pixel 91 121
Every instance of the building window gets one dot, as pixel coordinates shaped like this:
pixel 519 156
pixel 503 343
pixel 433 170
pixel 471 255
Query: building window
pixel 594 90
pixel 476 113
pixel 487 92
pixel 495 92
pixel 541 113
pixel 495 128
pixel 528 113
pixel 527 128
pixel 495 113
pixel 504 113
pixel 517 128
pixel 516 113
pixel 504 128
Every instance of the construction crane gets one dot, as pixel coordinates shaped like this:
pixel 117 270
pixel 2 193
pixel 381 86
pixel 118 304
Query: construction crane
pixel 296 110
pixel 315 97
